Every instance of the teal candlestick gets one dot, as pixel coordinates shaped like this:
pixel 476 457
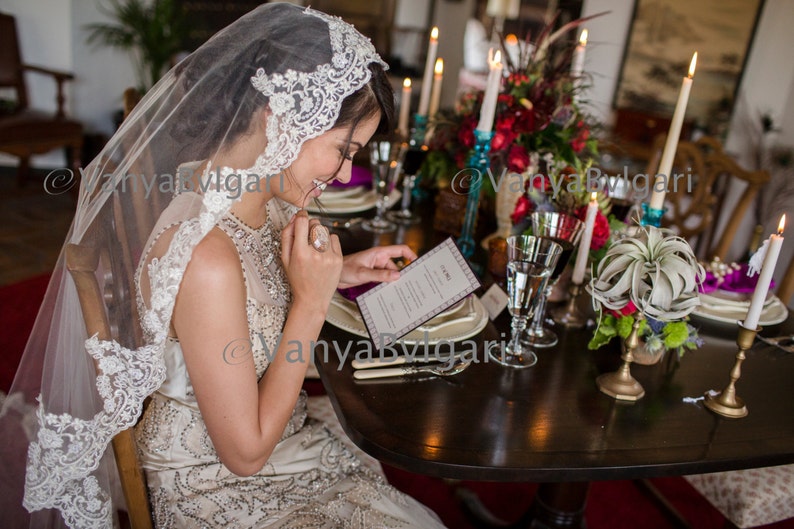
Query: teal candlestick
pixel 416 142
pixel 651 216
pixel 479 162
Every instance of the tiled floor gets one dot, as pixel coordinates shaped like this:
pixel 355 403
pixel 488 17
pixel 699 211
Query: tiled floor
pixel 33 226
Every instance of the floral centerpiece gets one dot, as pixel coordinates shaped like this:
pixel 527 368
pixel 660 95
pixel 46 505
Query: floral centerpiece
pixel 654 277
pixel 538 112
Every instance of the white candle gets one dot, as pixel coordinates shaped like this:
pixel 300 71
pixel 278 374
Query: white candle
pixel 671 144
pixel 488 109
pixel 577 63
pixel 427 79
pixel 405 109
pixel 584 244
pixel 435 95
pixel 512 49
pixel 765 277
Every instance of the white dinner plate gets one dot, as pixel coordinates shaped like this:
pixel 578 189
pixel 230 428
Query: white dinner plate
pixel 774 311
pixel 344 314
pixel 351 204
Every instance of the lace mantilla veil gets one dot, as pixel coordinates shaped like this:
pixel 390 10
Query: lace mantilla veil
pixel 61 414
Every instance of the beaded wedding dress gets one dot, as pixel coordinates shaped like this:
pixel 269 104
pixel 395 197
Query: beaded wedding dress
pixel 311 480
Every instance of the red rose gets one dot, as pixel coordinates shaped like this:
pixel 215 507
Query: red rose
pixel 466 133
pixel 523 208
pixel 625 311
pixel 600 228
pixel 517 159
pixel 541 182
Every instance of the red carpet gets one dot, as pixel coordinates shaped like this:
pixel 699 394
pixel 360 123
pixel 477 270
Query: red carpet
pixel 611 504
pixel 19 305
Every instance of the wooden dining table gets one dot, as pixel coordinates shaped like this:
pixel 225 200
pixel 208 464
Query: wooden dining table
pixel 551 425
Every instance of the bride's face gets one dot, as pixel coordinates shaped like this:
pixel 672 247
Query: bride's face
pixel 323 159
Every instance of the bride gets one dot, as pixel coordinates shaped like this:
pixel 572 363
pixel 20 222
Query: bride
pixel 218 284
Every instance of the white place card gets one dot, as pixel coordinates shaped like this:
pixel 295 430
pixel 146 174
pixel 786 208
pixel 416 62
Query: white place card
pixel 427 286
pixel 494 300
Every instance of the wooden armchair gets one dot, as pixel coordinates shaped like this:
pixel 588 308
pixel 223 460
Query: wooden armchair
pixel 82 263
pixel 25 131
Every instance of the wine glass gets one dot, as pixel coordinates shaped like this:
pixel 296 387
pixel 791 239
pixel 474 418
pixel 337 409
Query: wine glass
pixel 530 262
pixel 386 157
pixel 565 230
pixel 414 158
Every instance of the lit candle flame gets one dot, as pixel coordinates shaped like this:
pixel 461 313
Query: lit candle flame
pixel 407 83
pixel 497 58
pixel 593 196
pixel 583 38
pixel 439 68
pixel 434 33
pixel 511 40
pixel 781 225
pixel 692 65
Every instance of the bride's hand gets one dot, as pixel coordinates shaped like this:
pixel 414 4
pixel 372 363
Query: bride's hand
pixel 375 264
pixel 313 275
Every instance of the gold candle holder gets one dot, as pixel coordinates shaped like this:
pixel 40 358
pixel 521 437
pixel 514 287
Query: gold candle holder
pixel 569 316
pixel 620 384
pixel 726 403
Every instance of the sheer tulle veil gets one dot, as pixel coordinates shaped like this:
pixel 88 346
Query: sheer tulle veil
pixel 296 65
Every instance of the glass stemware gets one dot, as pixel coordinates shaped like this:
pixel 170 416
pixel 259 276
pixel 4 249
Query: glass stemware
pixel 414 158
pixel 565 230
pixel 386 159
pixel 530 263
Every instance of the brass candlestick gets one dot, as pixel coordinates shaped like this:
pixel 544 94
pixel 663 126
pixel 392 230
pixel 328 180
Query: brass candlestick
pixel 620 384
pixel 569 316
pixel 726 403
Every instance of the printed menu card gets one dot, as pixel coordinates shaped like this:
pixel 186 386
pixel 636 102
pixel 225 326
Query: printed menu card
pixel 427 286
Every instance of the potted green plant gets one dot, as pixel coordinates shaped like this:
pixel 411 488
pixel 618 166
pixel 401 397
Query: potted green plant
pixel 152 31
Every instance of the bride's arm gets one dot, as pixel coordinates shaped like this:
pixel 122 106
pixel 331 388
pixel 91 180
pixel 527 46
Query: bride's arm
pixel 245 418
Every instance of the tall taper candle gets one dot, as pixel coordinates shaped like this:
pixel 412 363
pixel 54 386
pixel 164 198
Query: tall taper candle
pixel 765 277
pixel 405 109
pixel 427 79
pixel 488 109
pixel 577 63
pixel 584 243
pixel 671 144
pixel 435 94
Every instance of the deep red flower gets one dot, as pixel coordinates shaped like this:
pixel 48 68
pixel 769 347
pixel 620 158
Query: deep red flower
pixel 517 159
pixel 524 207
pixel 466 132
pixel 625 311
pixel 503 133
pixel 600 228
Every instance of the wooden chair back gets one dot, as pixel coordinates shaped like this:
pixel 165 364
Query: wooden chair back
pixel 11 75
pixel 25 131
pixel 82 263
pixel 694 207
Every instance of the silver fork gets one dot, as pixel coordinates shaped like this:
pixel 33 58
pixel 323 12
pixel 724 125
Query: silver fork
pixel 442 370
pixel 785 342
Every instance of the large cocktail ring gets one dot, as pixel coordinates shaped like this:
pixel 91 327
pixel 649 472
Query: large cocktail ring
pixel 319 237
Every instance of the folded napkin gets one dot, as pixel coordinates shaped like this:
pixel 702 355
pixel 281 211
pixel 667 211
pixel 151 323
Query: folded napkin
pixel 353 292
pixel 360 176
pixel 735 279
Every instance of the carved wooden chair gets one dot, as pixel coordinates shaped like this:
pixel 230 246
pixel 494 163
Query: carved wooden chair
pixel 693 211
pixel 25 131
pixel 82 263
